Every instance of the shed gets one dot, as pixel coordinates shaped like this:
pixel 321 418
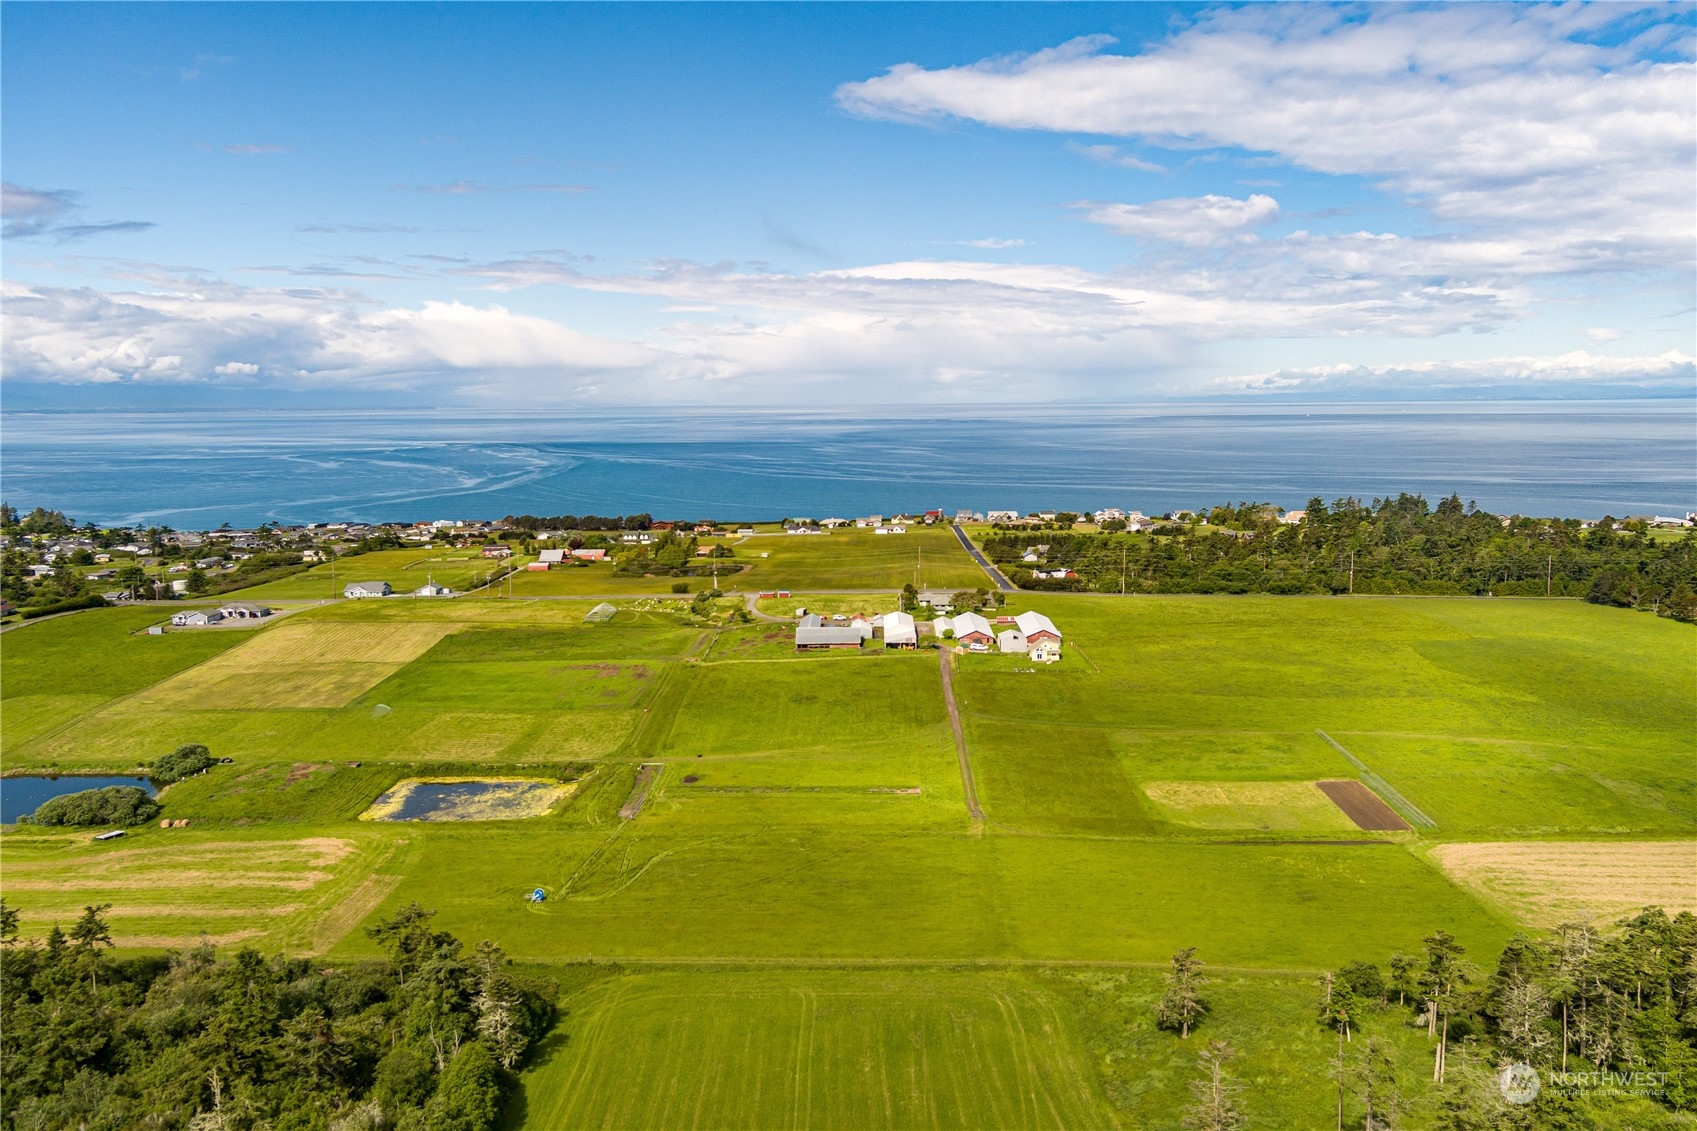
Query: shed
pixel 899 631
pixel 1011 640
pixel 812 633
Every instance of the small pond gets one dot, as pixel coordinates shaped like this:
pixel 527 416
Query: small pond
pixel 468 799
pixel 21 796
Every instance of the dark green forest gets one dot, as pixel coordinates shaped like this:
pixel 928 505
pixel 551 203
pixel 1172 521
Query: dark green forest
pixel 1398 545
pixel 425 1041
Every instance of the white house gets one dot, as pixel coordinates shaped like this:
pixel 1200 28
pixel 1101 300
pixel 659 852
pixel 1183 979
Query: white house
pixel 899 630
pixel 431 589
pixel 1001 516
pixel 357 589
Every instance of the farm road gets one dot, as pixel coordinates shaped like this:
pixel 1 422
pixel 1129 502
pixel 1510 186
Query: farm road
pixel 967 784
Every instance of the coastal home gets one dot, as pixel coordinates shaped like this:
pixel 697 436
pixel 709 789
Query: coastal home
pixel 1011 640
pixel 1001 516
pixel 973 631
pixel 39 570
pixel 812 633
pixel 196 619
pixel 431 589
pixel 899 631
pixel 1047 652
pixel 1038 629
pixel 245 610
pixel 358 589
pixel 1293 518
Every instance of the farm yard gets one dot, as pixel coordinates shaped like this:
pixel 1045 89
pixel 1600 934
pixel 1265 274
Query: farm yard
pixel 764 899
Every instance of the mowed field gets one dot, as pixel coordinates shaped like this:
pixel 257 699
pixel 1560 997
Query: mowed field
pixel 796 921
pixel 930 557
pixel 782 1049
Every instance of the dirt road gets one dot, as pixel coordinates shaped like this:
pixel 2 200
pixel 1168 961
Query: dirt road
pixel 967 784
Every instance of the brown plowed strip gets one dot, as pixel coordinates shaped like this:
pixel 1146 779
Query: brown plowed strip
pixel 1363 806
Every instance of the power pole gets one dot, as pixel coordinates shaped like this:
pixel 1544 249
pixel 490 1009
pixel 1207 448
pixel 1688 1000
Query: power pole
pixel 1549 572
pixel 1122 570
pixel 1352 573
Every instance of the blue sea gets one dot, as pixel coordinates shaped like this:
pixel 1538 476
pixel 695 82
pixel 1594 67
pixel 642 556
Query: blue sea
pixel 193 470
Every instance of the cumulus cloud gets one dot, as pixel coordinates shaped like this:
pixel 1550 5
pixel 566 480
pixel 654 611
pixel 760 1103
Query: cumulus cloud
pixel 1202 221
pixel 1497 117
pixel 29 212
pixel 1672 369
pixel 216 333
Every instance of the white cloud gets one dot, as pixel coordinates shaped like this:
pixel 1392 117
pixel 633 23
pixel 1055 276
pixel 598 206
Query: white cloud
pixel 1673 369
pixel 38 212
pixel 73 336
pixel 1202 221
pixel 1113 155
pixel 1601 334
pixel 1492 116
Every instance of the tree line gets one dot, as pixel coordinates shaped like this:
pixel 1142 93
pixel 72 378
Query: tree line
pixel 425 1040
pixel 1398 545
pixel 1606 1023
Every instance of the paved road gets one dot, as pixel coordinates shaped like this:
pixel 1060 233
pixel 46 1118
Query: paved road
pixel 968 785
pixel 1002 583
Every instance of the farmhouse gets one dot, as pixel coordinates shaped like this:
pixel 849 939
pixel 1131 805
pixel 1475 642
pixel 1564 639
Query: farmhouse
pixel 812 633
pixel 357 589
pixel 245 610
pixel 899 631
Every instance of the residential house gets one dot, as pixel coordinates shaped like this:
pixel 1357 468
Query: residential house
pixel 1292 518
pixel 357 589
pixel 939 600
pixel 1001 516
pixel 39 570
pixel 899 631
pixel 497 551
pixel 812 633
pixel 431 589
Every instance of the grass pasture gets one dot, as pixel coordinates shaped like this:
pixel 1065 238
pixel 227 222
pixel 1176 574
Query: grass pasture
pixel 928 556
pixel 1551 882
pixel 795 1049
pixel 404 570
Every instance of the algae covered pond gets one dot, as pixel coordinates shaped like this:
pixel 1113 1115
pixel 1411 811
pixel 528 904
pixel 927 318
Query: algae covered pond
pixel 468 799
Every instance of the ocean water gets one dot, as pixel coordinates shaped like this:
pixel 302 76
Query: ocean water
pixel 194 470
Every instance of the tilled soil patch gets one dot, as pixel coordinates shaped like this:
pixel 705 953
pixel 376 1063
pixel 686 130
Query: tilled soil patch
pixel 1363 806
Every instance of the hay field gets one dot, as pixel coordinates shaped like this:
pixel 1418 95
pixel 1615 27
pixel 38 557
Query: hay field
pixel 1283 806
pixel 168 887
pixel 310 664
pixel 1552 882
pixel 788 1049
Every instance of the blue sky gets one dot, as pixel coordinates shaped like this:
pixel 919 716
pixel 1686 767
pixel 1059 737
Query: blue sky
pixel 846 204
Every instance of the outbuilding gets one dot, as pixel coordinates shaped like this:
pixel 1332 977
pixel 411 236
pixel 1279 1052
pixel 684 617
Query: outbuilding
pixel 357 589
pixel 972 629
pixel 899 631
pixel 245 610
pixel 812 633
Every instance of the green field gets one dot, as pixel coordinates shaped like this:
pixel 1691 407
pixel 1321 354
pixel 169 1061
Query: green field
pixel 801 924
pixel 929 557
pixel 404 570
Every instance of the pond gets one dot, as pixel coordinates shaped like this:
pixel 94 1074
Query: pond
pixel 21 796
pixel 468 799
